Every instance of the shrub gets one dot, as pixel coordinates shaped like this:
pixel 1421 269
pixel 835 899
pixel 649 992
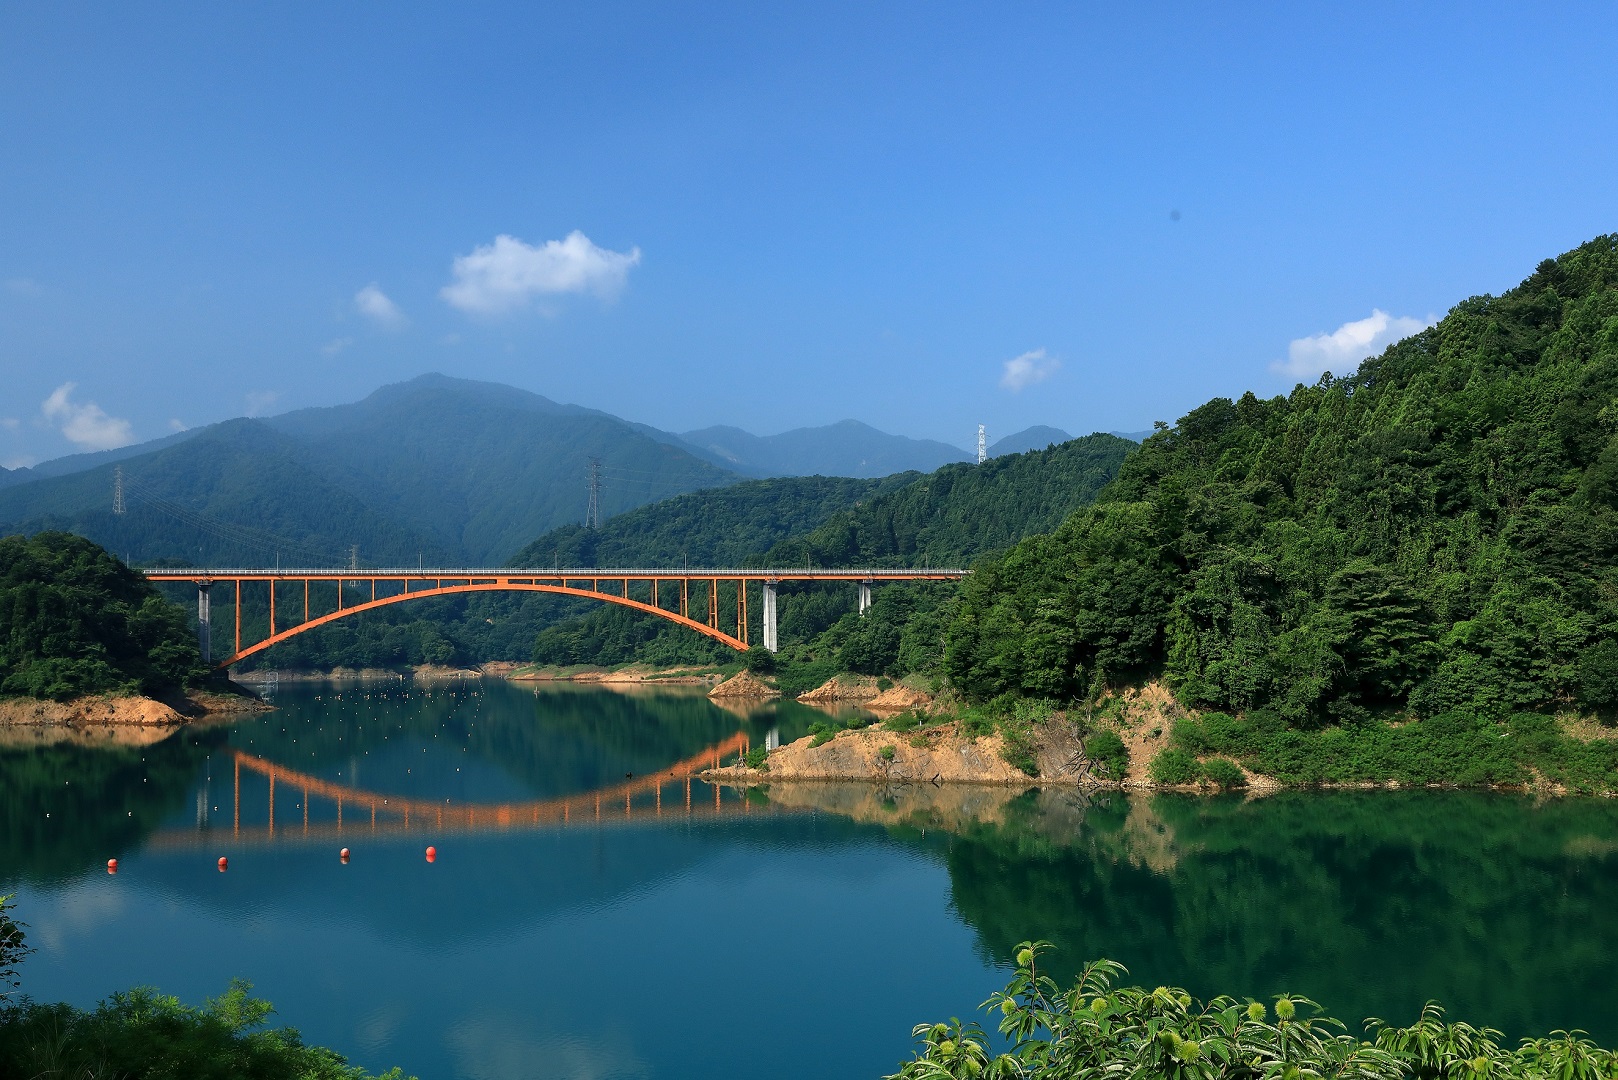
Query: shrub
pixel 1223 773
pixel 759 660
pixel 887 752
pixel 1174 766
pixel 1107 751
pixel 1099 1029
pixel 757 758
pixel 884 684
pixel 902 722
pixel 821 733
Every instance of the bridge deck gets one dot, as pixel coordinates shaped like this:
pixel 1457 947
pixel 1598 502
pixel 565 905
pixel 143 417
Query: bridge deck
pixel 507 573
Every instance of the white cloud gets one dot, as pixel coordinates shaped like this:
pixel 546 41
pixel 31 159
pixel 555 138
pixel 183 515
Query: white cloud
pixel 177 425
pixel 508 273
pixel 24 462
pixel 1028 369
pixel 10 423
pixel 374 304
pixel 261 401
pixel 1341 351
pixel 85 425
pixel 336 345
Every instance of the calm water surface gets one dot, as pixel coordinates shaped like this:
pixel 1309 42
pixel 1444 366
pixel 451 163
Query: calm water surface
pixel 592 914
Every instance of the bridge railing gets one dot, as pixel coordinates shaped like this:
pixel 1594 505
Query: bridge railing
pixel 189 573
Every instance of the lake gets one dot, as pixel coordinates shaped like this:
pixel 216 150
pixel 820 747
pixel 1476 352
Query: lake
pixel 591 912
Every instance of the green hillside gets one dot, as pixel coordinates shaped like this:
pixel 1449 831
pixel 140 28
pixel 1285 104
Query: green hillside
pixel 719 527
pixel 1437 531
pixel 74 620
pixel 948 517
pixel 236 494
pixel 961 511
pixel 444 470
pixel 484 468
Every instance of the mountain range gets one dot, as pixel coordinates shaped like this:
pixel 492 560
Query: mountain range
pixel 436 470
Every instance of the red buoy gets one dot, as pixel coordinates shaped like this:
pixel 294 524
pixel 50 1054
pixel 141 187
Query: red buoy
pixel 343 854
pixel 432 854
pixel 112 866
pixel 223 863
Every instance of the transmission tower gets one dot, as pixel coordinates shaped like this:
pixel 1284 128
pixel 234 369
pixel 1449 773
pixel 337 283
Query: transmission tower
pixel 118 489
pixel 983 445
pixel 354 557
pixel 592 514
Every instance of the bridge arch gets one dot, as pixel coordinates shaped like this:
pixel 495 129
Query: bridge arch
pixel 486 586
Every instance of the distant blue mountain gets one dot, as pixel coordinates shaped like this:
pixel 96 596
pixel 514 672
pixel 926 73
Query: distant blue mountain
pixel 1037 437
pixel 846 448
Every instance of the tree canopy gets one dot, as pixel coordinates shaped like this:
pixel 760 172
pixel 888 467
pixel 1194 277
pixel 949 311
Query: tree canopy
pixel 74 620
pixel 1438 530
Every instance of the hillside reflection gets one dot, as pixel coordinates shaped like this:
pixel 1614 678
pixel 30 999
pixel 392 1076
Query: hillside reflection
pixel 1504 909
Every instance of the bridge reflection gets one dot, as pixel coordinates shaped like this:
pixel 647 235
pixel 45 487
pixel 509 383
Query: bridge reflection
pixel 373 813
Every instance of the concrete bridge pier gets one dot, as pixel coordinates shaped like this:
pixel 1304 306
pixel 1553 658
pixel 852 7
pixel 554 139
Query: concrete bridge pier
pixel 769 616
pixel 865 596
pixel 205 621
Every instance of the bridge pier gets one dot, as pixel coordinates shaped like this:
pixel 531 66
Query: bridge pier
pixel 769 616
pixel 865 597
pixel 205 620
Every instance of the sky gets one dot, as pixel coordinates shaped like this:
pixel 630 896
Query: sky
pixel 925 216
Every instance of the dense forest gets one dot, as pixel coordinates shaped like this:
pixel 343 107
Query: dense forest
pixel 74 620
pixel 1436 531
pixel 950 516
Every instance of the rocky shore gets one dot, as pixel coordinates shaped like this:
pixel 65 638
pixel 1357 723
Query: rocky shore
pixel 112 710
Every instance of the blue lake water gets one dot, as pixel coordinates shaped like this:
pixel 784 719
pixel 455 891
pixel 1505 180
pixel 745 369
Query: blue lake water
pixel 593 913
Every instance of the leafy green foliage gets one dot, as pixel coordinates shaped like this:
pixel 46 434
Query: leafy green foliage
pixel 1438 531
pixel 948 517
pixel 1223 773
pixel 1455 747
pixel 1173 766
pixel 143 1034
pixel 13 946
pixel 1107 751
pixel 1099 1029
pixel 74 620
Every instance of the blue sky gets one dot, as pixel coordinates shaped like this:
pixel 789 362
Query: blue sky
pixel 924 216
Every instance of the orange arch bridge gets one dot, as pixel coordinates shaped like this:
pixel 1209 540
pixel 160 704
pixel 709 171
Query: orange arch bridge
pixel 354 810
pixel 677 595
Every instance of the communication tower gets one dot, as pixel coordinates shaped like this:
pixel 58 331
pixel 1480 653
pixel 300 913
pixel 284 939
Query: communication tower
pixel 983 445
pixel 592 514
pixel 118 489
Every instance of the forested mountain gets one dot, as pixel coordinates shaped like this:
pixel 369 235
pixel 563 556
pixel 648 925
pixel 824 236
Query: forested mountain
pixel 444 470
pixel 726 526
pixel 1037 437
pixel 238 493
pixel 959 512
pixel 74 620
pixel 1437 531
pixel 948 517
pixel 485 468
pixel 846 448
pixel 75 463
